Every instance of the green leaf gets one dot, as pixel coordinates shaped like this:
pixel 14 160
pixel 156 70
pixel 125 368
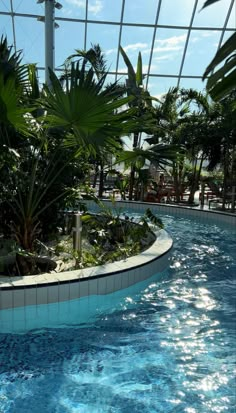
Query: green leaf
pixel 12 112
pixel 224 52
pixel 209 3
pixel 219 74
pixel 160 154
pixel 154 220
pixel 90 117
pixel 139 72
pixel 131 72
pixel 222 88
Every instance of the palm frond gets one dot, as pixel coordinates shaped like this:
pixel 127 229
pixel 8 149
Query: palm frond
pixel 131 71
pixel 12 113
pixel 209 3
pixel 90 118
pixel 159 154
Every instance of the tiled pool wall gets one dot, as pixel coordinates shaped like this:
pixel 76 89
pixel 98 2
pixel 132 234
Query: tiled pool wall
pixel 58 287
pixel 201 215
pixel 99 280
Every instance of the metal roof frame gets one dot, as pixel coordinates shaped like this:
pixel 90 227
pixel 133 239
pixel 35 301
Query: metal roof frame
pixel 12 13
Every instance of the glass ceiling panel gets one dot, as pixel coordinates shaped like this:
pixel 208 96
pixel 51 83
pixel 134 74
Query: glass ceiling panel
pixel 30 38
pixel 181 14
pixel 232 19
pixel 212 16
pixel 227 34
pixel 4 5
pixel 158 86
pixel 107 36
pixel 6 24
pixel 192 84
pixel 140 11
pixel 133 40
pixel 171 56
pixel 202 48
pixel 72 9
pixel 68 37
pixel 22 6
pixel 111 79
pixel 102 10
pixel 168 51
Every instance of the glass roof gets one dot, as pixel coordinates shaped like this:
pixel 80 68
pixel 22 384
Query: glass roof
pixel 176 38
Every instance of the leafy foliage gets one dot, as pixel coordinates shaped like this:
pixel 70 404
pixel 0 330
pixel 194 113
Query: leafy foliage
pixel 223 81
pixel 85 112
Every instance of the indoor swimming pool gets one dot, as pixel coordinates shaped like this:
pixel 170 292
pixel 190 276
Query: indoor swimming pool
pixel 164 345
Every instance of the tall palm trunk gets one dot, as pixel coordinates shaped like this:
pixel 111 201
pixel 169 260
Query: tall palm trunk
pixel 133 169
pixel 96 172
pixel 196 178
pixel 101 181
pixel 177 174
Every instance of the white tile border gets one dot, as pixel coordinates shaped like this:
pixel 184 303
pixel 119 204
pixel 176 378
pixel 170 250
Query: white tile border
pixel 55 287
pixel 179 210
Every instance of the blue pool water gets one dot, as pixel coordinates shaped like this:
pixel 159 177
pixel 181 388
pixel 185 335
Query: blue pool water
pixel 164 345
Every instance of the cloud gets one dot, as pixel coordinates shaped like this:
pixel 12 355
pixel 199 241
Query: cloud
pixel 164 57
pixel 110 51
pixel 135 46
pixel 77 3
pixel 209 33
pixel 123 70
pixel 173 43
pixel 94 7
pixel 67 12
pixel 144 69
pixel 130 48
pixel 166 49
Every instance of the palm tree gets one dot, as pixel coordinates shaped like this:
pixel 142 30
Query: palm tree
pixel 92 58
pixel 75 119
pixel 163 155
pixel 141 101
pixel 176 124
pixel 85 111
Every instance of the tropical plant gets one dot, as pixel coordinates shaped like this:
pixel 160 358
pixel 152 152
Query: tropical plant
pixel 173 119
pixel 75 120
pixel 222 81
pixel 92 58
pixel 142 101
pixel 122 184
pixel 86 112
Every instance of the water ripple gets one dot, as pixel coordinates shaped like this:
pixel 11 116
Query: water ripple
pixel 167 348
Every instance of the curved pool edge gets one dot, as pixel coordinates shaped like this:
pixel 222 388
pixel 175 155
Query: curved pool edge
pixel 57 287
pixel 185 211
pixel 50 288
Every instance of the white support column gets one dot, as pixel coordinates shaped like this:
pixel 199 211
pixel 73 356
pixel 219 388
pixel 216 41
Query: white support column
pixel 77 232
pixel 233 198
pixel 49 39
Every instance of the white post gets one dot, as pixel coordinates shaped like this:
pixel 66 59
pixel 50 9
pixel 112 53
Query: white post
pixel 49 38
pixel 233 198
pixel 77 232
